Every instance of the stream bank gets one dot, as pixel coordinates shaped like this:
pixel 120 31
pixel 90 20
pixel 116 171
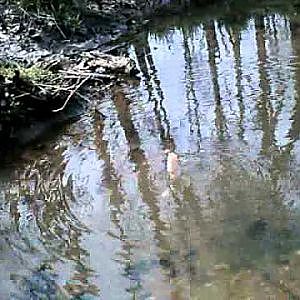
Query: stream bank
pixel 45 66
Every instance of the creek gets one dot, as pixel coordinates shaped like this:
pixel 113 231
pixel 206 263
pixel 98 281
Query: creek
pixel 92 212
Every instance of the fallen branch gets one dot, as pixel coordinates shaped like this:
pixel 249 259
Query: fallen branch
pixel 73 74
pixel 21 95
pixel 56 24
pixel 51 83
pixel 72 94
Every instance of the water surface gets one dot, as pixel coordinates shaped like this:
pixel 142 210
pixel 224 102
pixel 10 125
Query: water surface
pixel 94 214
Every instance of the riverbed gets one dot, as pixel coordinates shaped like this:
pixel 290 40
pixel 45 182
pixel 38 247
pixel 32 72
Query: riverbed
pixel 93 211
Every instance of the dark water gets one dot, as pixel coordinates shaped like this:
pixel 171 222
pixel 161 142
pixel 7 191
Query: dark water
pixel 98 213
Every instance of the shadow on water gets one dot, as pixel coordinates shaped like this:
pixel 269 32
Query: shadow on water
pixel 34 132
pixel 97 214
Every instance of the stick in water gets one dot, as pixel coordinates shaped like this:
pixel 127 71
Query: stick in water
pixel 72 94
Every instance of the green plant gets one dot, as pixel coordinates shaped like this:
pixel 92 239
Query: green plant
pixel 33 73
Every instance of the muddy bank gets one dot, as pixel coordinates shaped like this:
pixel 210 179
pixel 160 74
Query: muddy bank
pixel 45 68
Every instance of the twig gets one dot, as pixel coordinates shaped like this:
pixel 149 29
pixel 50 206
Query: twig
pixel 59 29
pixel 88 74
pixel 83 97
pixel 56 87
pixel 72 94
pixel 24 11
pixel 22 95
pixel 108 50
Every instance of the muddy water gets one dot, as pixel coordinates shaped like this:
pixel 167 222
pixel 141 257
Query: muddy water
pixel 188 189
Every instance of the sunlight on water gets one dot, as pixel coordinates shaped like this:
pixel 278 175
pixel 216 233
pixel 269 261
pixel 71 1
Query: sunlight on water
pixel 189 189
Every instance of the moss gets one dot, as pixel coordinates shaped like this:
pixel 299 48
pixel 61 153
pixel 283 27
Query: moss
pixel 33 73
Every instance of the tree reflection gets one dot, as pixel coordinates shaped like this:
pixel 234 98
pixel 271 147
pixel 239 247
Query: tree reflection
pixel 213 53
pixel 146 185
pixel 294 131
pixel 152 82
pixel 136 154
pixel 110 179
pixel 190 88
pixel 264 105
pixel 235 39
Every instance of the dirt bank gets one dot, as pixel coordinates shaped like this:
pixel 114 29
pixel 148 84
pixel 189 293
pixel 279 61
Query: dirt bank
pixel 46 67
